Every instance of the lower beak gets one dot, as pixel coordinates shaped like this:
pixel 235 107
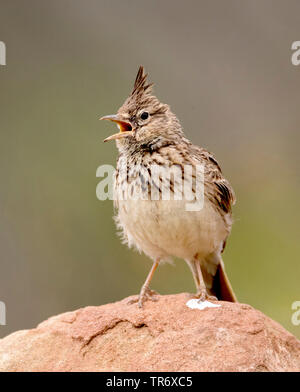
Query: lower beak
pixel 124 126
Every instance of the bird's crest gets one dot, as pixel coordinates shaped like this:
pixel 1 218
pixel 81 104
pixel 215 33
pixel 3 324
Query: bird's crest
pixel 142 96
pixel 141 85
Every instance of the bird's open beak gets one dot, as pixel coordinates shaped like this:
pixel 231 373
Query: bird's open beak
pixel 124 126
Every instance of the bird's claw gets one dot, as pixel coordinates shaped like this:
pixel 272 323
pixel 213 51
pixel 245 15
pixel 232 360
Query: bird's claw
pixel 145 294
pixel 202 296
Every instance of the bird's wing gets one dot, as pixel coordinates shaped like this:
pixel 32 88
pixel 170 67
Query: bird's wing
pixel 216 186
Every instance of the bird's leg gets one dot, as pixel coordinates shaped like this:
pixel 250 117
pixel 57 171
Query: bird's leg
pixel 201 289
pixel 192 266
pixel 145 292
pixel 202 293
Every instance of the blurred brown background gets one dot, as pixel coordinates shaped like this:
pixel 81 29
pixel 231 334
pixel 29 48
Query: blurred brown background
pixel 223 66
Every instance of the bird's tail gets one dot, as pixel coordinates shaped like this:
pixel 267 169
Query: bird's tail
pixel 216 279
pixel 221 286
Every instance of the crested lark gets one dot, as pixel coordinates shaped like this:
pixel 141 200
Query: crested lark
pixel 151 137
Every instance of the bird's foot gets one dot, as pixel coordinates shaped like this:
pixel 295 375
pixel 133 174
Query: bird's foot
pixel 202 296
pixel 145 294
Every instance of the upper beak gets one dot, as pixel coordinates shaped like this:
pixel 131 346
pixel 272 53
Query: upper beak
pixel 124 126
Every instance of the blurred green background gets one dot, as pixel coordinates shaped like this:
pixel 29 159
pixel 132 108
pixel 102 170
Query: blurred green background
pixel 224 67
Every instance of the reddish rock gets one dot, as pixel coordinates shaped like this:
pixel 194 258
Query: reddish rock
pixel 163 336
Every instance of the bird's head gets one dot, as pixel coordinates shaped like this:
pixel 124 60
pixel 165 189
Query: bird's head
pixel 143 120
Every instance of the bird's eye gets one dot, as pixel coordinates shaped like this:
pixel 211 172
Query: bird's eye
pixel 144 115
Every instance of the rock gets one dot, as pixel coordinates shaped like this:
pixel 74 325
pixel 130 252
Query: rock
pixel 163 336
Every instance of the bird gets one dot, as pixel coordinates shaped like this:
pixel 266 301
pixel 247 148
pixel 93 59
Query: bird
pixel 151 136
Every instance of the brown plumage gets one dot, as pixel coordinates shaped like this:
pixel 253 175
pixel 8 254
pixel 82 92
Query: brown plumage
pixel 151 137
